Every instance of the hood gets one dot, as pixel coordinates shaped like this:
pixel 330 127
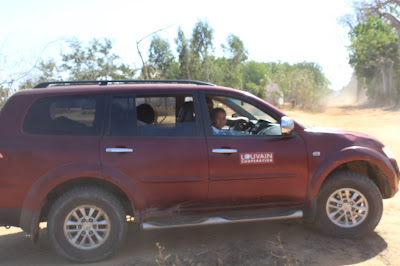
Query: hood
pixel 349 138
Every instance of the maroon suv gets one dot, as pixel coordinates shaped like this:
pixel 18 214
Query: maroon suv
pixel 85 155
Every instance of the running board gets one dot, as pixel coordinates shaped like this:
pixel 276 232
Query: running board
pixel 218 220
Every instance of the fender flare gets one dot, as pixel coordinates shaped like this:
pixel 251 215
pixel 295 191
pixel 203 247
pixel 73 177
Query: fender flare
pixel 340 157
pixel 30 213
pixel 29 219
pixel 39 190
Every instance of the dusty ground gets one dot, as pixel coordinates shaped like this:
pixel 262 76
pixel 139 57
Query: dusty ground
pixel 263 243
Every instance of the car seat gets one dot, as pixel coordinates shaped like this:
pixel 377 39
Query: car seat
pixel 186 113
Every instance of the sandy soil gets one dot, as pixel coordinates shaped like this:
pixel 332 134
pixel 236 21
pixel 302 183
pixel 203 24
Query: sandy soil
pixel 263 243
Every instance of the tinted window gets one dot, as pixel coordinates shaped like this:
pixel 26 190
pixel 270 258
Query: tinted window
pixel 65 115
pixel 166 116
pixel 122 116
pixel 161 115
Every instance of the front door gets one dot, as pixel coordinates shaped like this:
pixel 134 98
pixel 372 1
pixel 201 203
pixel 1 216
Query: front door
pixel 250 161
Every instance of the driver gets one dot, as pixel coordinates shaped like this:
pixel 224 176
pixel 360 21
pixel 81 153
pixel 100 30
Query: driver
pixel 218 121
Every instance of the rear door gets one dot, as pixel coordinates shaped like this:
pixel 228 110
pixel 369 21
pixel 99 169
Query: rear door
pixel 156 141
pixel 59 140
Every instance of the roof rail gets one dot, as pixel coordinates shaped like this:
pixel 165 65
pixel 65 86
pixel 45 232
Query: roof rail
pixel 123 81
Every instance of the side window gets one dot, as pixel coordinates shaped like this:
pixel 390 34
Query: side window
pixel 166 115
pixel 122 116
pixel 65 115
pixel 238 117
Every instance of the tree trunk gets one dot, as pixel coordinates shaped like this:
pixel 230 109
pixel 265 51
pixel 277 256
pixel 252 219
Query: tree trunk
pixel 391 90
pixel 398 101
pixel 188 70
pixel 207 68
pixel 358 90
pixel 146 74
pixel 383 100
pixel 395 23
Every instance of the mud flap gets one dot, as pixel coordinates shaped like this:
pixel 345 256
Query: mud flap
pixel 29 222
pixel 311 211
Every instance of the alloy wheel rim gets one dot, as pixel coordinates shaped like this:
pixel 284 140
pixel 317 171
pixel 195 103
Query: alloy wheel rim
pixel 87 227
pixel 347 207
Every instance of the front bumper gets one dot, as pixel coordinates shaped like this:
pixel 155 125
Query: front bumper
pixel 397 172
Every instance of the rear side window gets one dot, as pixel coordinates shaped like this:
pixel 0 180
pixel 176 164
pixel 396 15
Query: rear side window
pixel 166 115
pixel 65 115
pixel 122 116
pixel 153 115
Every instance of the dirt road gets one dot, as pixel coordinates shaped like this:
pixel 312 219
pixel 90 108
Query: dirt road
pixel 264 243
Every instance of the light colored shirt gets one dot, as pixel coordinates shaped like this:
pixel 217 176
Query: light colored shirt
pixel 218 132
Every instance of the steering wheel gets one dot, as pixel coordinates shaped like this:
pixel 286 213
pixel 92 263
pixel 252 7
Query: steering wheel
pixel 243 125
pixel 273 130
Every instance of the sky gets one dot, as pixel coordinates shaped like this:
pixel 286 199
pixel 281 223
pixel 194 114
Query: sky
pixel 287 31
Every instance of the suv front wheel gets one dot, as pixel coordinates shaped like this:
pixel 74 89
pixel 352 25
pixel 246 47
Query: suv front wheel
pixel 87 224
pixel 349 205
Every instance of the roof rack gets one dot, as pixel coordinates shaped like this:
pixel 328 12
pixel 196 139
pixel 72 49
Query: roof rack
pixel 123 81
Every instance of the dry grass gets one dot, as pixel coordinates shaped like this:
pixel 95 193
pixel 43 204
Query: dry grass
pixel 282 255
pixel 169 260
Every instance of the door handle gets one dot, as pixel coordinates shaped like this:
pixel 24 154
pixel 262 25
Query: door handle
pixel 122 150
pixel 224 151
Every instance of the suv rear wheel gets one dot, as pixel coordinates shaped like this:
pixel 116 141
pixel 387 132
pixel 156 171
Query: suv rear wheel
pixel 87 224
pixel 349 205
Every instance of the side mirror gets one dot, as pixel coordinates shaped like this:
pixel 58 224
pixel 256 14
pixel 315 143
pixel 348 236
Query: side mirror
pixel 287 125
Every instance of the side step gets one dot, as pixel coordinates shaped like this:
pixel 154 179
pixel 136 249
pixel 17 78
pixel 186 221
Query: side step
pixel 149 225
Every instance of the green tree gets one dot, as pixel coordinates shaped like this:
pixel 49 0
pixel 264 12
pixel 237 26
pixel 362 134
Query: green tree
pixel 374 55
pixel 256 76
pixel 201 46
pixel 44 71
pixel 386 78
pixel 304 83
pixel 94 62
pixel 236 55
pixel 387 9
pixel 161 58
pixel 184 54
pixel 4 93
pixel 235 50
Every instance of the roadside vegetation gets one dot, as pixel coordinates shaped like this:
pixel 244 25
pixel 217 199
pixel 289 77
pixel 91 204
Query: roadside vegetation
pixel 373 32
pixel 195 58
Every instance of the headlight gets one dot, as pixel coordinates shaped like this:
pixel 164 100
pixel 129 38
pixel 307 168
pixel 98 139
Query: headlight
pixel 387 152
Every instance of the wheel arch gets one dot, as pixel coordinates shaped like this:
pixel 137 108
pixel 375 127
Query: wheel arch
pixel 30 219
pixel 46 189
pixel 62 188
pixel 370 170
pixel 362 160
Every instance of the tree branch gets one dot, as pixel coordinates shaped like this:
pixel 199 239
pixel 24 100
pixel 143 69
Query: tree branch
pixel 140 54
pixel 393 20
pixel 25 74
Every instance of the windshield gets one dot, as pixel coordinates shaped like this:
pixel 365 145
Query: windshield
pixel 249 109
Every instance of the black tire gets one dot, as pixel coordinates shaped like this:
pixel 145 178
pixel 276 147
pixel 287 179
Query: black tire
pixel 366 209
pixel 107 226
